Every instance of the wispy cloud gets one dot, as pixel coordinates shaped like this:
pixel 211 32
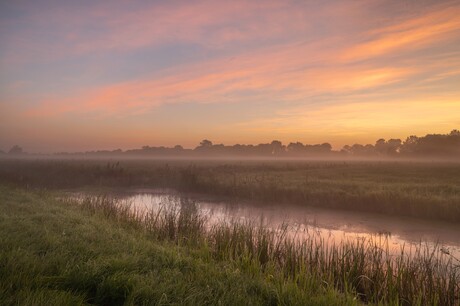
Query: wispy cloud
pixel 408 35
pixel 334 65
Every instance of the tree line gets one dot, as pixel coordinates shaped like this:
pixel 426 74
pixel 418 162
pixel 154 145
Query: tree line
pixel 431 145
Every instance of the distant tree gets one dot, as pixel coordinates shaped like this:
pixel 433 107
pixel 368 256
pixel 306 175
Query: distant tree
pixel 357 149
pixel 318 149
pixel 326 147
pixel 346 149
pixel 369 149
pixel 295 148
pixel 15 150
pixel 409 146
pixel 277 147
pixel 433 145
pixel 206 143
pixel 178 148
pixel 390 147
pixel 381 146
pixel 393 146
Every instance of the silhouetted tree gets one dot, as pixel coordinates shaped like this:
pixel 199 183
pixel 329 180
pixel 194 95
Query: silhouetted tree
pixel 277 147
pixel 393 146
pixel 326 147
pixel 410 145
pixel 446 145
pixel 15 150
pixel 381 146
pixel 433 145
pixel 295 148
pixel 359 150
pixel 205 143
pixel 346 149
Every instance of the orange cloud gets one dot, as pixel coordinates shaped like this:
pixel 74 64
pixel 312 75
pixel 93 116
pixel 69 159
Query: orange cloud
pixel 289 71
pixel 410 34
pixel 274 74
pixel 345 82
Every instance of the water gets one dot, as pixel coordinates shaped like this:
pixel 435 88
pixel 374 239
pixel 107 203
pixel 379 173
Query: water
pixel 333 226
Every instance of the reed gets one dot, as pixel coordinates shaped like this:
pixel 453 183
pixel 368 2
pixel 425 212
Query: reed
pixel 423 190
pixel 53 253
pixel 418 275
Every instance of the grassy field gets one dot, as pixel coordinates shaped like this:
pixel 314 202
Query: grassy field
pixel 100 251
pixel 53 253
pixel 423 190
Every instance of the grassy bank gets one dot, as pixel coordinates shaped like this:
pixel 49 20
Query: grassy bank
pixel 52 253
pixel 103 252
pixel 424 190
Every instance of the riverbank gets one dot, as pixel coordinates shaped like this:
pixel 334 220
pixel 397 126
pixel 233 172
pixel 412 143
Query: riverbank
pixel 332 225
pixel 53 253
pixel 422 190
pixel 100 251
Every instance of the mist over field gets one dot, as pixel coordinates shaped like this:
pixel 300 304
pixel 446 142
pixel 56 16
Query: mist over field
pixel 439 147
pixel 246 152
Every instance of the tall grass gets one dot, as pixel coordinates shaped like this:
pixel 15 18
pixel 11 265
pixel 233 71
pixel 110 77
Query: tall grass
pixel 179 222
pixel 365 267
pixel 424 190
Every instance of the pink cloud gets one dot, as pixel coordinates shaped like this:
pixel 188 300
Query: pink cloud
pixel 109 29
pixel 296 64
pixel 408 35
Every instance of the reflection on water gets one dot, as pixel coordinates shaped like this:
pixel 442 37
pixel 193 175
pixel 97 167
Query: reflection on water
pixel 333 226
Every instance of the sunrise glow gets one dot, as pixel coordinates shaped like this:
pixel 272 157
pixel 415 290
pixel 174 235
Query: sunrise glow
pixel 84 75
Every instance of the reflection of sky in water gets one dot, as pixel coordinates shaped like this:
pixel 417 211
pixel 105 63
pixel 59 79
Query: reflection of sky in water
pixel 332 226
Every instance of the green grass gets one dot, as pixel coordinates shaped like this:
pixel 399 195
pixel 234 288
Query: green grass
pixel 54 253
pixel 418 275
pixel 102 252
pixel 423 190
pixel 99 251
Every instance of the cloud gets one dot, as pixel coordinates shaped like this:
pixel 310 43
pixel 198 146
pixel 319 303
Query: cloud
pixel 59 32
pixel 343 66
pixel 407 35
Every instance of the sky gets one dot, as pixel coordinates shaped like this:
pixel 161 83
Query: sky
pixel 86 75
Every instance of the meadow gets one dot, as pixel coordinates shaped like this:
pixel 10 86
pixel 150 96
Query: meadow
pixel 100 251
pixel 429 190
pixel 53 253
